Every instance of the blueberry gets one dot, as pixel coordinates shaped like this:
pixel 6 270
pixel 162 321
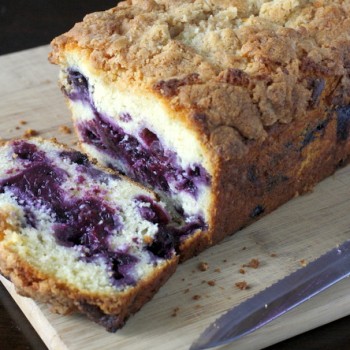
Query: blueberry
pixel 166 240
pixel 79 86
pixel 75 157
pixel 151 211
pixel 27 151
pixel 343 123
pixel 121 266
pixel 317 86
pixel 148 137
pixel 315 132
pixel 257 211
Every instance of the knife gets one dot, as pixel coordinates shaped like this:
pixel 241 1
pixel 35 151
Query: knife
pixel 277 299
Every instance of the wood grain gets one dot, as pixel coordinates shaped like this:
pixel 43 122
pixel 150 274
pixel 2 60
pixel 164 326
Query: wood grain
pixel 299 231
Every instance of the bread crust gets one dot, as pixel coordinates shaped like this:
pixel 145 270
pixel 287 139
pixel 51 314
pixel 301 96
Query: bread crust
pixel 110 311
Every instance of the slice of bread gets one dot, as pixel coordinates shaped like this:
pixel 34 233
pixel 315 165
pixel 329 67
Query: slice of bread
pixel 80 237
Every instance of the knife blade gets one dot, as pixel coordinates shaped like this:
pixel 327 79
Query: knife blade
pixel 277 299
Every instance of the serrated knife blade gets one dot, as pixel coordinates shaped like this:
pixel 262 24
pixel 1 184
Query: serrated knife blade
pixel 277 299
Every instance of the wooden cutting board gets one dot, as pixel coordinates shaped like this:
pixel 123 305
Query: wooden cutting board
pixel 283 241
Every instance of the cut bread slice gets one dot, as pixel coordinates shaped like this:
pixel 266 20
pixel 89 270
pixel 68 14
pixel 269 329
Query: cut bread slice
pixel 80 237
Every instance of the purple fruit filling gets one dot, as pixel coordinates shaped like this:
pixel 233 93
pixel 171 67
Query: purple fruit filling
pixel 152 211
pixel 27 151
pixel 148 163
pixel 121 265
pixel 78 86
pixel 86 222
pixel 75 157
pixel 145 158
pixel 84 166
pixel 168 238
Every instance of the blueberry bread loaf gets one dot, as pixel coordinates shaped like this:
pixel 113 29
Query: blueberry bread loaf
pixel 80 238
pixel 226 108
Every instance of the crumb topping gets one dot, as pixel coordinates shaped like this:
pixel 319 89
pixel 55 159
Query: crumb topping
pixel 237 66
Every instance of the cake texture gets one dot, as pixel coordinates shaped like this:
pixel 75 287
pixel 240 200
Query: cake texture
pixel 79 237
pixel 226 108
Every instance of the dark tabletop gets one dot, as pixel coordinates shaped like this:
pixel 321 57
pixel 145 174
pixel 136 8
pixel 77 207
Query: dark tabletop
pixel 28 23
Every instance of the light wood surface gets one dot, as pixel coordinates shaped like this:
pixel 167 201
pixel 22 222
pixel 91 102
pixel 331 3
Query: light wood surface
pixel 293 235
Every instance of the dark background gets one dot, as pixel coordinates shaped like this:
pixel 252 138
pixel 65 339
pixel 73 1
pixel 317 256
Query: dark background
pixel 29 23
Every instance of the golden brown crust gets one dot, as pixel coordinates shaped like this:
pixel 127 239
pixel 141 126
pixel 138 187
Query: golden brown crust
pixel 289 163
pixel 243 65
pixel 112 309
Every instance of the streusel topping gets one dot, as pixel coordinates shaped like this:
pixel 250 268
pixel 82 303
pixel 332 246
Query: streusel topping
pixel 242 65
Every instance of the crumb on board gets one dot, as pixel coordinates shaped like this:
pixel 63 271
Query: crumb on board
pixel 244 248
pixel 203 266
pixel 22 122
pixel 242 285
pixel 242 271
pixel 273 255
pixel 303 262
pixel 225 260
pixel 186 290
pixel 175 311
pixel 253 263
pixel 147 239
pixel 196 297
pixel 211 283
pixel 218 270
pixel 30 133
pixel 64 129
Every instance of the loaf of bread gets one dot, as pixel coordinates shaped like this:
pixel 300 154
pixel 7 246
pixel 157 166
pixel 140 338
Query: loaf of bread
pixel 226 108
pixel 78 237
